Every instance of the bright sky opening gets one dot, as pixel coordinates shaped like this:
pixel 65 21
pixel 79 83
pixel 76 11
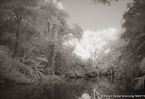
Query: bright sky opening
pixel 97 22
pixel 93 42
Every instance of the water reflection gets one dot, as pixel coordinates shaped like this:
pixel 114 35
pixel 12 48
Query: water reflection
pixel 69 89
pixel 85 96
pixel 95 95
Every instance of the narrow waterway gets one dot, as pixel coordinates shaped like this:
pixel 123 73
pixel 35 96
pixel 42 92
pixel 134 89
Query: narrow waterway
pixel 101 88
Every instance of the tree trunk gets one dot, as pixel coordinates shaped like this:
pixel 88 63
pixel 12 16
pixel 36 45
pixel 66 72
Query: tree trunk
pixel 53 59
pixel 17 41
pixel 55 42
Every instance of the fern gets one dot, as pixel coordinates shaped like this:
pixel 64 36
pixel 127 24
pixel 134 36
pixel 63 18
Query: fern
pixel 13 69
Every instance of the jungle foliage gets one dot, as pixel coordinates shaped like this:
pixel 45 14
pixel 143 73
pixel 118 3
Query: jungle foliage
pixel 32 34
pixel 31 40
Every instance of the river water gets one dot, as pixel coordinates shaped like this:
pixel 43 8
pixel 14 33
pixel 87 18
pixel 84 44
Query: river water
pixel 96 88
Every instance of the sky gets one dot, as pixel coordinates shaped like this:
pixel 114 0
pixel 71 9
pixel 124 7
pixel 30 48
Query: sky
pixel 101 25
pixel 95 17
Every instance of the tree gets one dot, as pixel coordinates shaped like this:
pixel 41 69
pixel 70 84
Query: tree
pixel 54 28
pixel 17 10
pixel 134 27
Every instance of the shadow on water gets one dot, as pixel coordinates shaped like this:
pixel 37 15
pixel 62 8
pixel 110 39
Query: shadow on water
pixel 96 88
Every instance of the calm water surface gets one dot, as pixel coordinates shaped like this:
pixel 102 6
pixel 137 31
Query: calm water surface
pixel 100 88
